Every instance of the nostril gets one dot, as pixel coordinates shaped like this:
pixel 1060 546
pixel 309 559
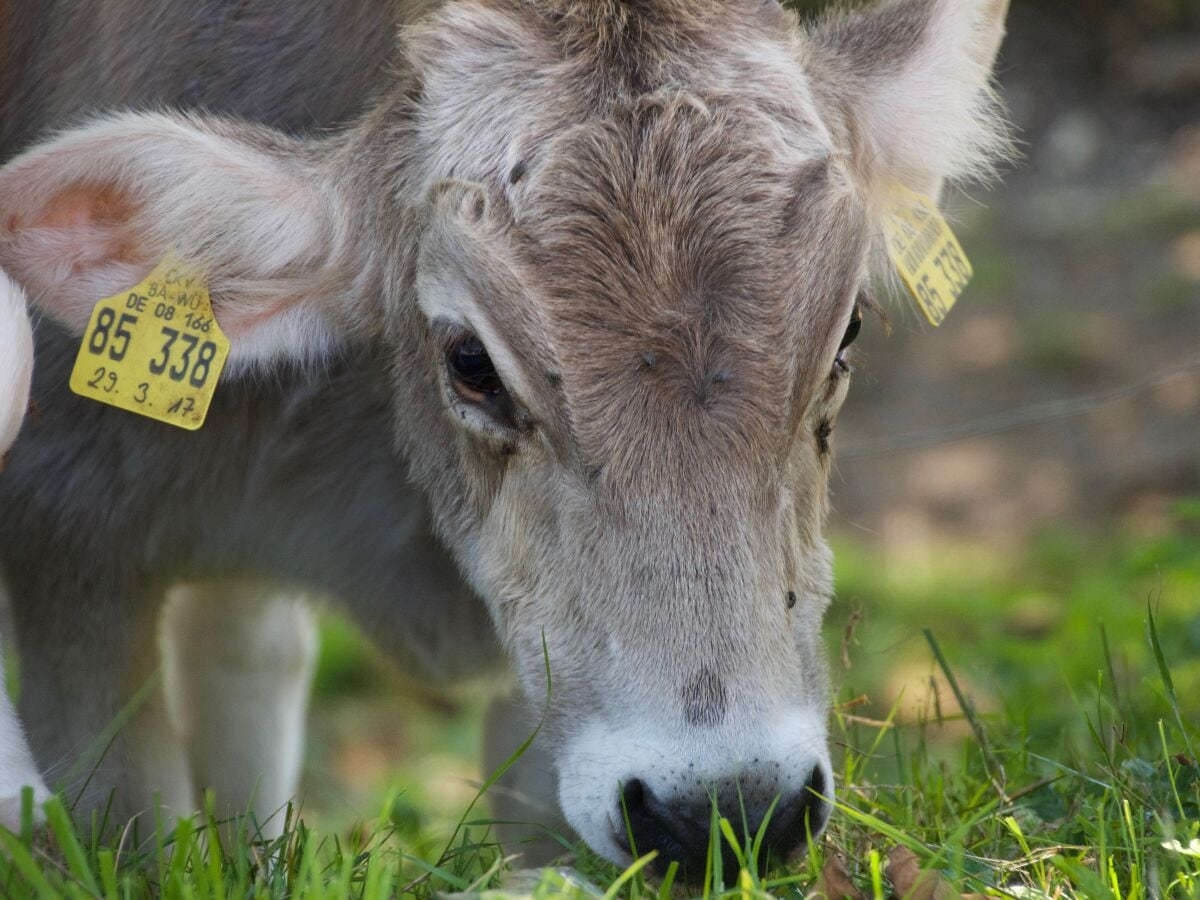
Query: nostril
pixel 633 797
pixel 817 802
pixel 632 811
pixel 814 791
pixel 811 809
pixel 816 781
pixel 800 817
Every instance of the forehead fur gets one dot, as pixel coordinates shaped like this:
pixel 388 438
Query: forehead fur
pixel 691 270
pixel 499 78
pixel 636 43
pixel 629 44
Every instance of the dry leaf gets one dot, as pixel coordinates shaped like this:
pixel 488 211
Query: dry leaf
pixel 835 884
pixel 910 883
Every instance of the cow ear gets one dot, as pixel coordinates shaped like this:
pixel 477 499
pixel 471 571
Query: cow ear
pixel 913 78
pixel 90 213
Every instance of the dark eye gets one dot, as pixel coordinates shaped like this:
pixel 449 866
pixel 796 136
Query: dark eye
pixel 471 370
pixel 852 329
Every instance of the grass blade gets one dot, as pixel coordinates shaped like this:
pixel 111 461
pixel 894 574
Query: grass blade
pixel 629 874
pixel 995 770
pixel 68 841
pixel 22 859
pixel 1164 672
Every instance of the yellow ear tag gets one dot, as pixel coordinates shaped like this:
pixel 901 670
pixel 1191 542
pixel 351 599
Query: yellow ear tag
pixel 154 350
pixel 926 253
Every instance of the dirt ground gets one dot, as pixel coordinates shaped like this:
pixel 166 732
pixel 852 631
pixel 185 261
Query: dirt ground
pixel 1083 322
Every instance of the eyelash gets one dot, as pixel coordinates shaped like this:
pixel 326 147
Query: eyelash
pixel 851 335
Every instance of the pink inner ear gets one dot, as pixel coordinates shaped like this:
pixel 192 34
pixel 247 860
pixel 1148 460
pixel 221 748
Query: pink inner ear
pixel 82 206
pixel 91 220
pixel 97 214
pixel 80 245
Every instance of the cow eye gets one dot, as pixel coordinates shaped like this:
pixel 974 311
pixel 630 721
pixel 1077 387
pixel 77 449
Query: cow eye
pixel 472 372
pixel 852 329
pixel 841 367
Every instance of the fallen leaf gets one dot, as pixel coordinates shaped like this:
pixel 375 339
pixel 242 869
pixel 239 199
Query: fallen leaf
pixel 911 883
pixel 835 884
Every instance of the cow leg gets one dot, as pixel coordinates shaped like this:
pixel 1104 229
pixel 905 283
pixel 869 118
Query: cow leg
pixel 92 702
pixel 239 662
pixel 526 798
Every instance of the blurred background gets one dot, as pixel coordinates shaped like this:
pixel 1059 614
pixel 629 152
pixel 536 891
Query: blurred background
pixel 1088 278
pixel 1024 481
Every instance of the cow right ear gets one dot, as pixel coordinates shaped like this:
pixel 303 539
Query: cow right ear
pixel 90 214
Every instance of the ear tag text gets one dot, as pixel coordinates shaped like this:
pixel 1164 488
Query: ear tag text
pixel 926 254
pixel 155 350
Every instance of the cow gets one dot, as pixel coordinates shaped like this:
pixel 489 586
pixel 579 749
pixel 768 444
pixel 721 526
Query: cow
pixel 540 314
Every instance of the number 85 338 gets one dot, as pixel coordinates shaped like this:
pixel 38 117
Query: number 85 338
pixel 181 356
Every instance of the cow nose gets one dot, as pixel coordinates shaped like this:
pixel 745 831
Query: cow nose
pixel 679 829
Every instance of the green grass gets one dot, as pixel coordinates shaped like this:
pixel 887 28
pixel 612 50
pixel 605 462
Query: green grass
pixel 1068 771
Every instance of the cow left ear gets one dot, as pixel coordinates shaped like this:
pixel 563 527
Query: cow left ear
pixel 914 80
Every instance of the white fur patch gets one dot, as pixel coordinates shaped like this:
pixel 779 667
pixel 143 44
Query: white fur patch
pixel 16 360
pixel 16 366
pixel 17 770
